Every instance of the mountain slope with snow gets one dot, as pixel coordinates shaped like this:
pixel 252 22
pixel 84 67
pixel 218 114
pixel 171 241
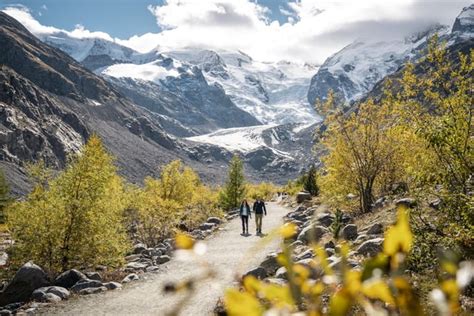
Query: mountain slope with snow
pixel 275 93
pixel 353 71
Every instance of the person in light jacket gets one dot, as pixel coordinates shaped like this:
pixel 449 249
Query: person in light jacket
pixel 244 215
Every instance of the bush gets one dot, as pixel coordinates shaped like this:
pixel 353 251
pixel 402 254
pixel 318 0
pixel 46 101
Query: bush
pixel 380 286
pixel 177 198
pixel 263 190
pixel 74 219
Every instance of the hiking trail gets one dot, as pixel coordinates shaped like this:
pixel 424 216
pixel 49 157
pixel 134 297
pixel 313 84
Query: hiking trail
pixel 228 254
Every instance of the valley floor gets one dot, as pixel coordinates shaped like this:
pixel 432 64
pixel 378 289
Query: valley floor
pixel 228 254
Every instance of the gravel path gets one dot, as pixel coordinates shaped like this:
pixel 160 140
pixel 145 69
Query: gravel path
pixel 228 254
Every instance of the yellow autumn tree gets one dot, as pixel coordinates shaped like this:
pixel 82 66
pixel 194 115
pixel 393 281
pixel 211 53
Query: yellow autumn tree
pixel 177 197
pixel 363 151
pixel 74 219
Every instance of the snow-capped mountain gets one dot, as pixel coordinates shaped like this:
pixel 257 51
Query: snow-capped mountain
pixel 353 71
pixel 274 93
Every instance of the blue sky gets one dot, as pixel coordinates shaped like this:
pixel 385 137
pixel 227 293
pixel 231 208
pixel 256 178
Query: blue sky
pixel 269 30
pixel 119 18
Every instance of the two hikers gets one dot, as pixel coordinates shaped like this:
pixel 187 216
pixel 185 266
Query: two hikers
pixel 258 208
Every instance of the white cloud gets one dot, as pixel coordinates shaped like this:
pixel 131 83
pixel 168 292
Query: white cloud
pixel 314 29
pixel 23 15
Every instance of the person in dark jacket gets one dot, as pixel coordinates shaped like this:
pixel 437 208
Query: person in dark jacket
pixel 259 209
pixel 244 215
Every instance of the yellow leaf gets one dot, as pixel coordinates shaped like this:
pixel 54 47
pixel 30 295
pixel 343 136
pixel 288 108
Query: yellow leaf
pixel 399 238
pixel 278 295
pixel 183 241
pixel 242 304
pixel 288 230
pixel 251 284
pixel 377 289
pixel 352 281
pixel 340 303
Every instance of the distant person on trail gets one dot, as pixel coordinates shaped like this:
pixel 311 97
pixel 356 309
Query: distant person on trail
pixel 244 215
pixel 259 209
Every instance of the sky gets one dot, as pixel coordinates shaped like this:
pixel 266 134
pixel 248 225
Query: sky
pixel 270 30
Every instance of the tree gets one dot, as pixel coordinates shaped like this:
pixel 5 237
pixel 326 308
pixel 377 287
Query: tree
pixel 363 149
pixel 437 105
pixel 177 198
pixel 4 195
pixel 74 219
pixel 234 189
pixel 310 181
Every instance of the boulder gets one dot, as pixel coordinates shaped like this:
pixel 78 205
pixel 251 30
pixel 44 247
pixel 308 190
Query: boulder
pixel 314 271
pixel 27 279
pixel 408 202
pixel 113 285
pixel 330 244
pixel 85 284
pixel 152 269
pixel 5 312
pixel 94 276
pixel 135 265
pixel 270 264
pixel 68 278
pixel 325 219
pixel 92 290
pixel 349 232
pixel 40 294
pixel 51 298
pixel 139 248
pixel 259 272
pixel 375 229
pixel 370 247
pixel 3 258
pixel 281 273
pixel 302 196
pixel 207 226
pixel 276 281
pixel 214 220
pixel 133 258
pixel 163 259
pixel 361 238
pixel 312 233
pixel 308 254
pixel 153 252
pixel 346 218
pixel 296 244
pixel 131 277
pixel 299 209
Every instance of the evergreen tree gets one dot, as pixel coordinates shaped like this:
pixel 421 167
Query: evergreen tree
pixel 234 189
pixel 310 181
pixel 4 195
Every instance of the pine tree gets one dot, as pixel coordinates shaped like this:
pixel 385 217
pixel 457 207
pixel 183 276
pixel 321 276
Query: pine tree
pixel 4 195
pixel 234 189
pixel 310 181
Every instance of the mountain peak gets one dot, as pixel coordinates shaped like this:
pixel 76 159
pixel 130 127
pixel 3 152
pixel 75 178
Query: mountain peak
pixel 464 22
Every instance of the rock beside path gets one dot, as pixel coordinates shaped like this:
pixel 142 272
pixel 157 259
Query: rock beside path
pixel 27 279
